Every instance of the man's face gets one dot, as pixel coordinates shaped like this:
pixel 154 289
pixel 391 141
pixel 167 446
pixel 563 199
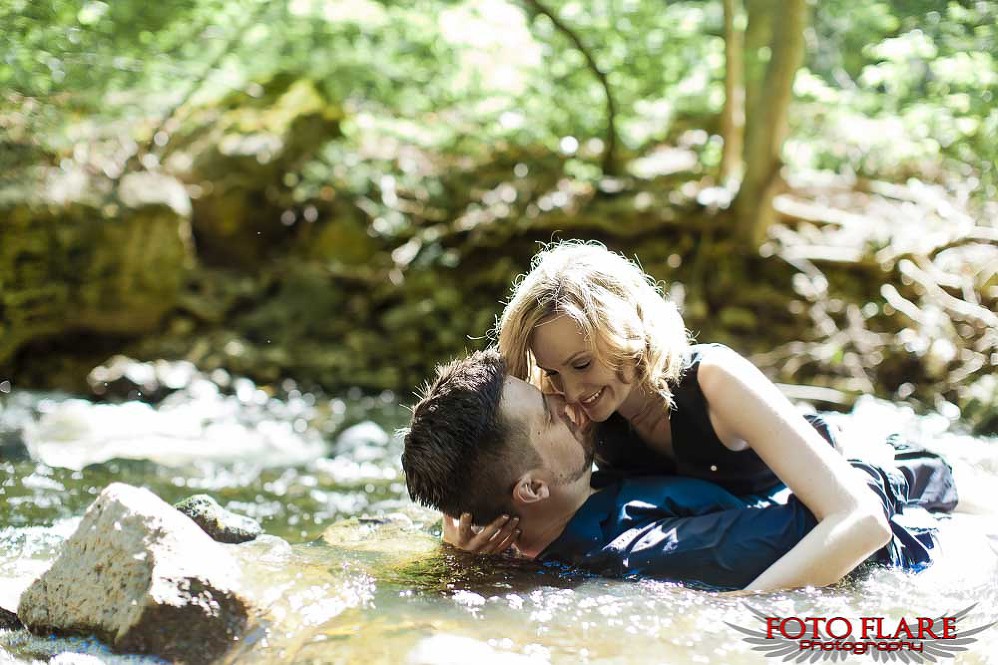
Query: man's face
pixel 566 452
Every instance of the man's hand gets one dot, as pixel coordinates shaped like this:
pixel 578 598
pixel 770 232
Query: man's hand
pixel 494 538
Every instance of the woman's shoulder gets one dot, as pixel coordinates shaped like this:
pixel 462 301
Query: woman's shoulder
pixel 710 349
pixel 714 364
pixel 699 362
pixel 709 354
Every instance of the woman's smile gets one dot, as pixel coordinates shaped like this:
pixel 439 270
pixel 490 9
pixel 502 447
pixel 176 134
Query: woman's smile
pixel 572 368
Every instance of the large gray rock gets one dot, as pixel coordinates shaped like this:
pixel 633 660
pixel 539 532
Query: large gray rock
pixel 143 578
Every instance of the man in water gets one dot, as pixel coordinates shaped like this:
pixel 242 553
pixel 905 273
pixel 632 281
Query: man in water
pixel 488 444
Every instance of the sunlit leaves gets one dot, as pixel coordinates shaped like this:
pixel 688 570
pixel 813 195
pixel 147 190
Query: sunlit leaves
pixel 468 76
pixel 906 84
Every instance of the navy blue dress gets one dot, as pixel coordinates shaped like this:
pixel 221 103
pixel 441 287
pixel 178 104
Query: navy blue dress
pixel 690 530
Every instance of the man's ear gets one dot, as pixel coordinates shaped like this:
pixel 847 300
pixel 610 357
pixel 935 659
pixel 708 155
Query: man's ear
pixel 530 489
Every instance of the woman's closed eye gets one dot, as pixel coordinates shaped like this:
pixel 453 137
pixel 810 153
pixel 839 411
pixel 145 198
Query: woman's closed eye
pixel 578 367
pixel 553 381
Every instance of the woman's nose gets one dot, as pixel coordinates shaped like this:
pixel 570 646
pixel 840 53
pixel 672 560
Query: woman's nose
pixel 572 391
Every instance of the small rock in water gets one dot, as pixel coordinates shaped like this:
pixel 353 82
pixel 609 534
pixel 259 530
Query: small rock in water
pixel 122 378
pixel 12 446
pixel 217 522
pixel 9 620
pixel 143 579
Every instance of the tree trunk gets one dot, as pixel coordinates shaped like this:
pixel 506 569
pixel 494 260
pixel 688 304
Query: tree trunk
pixel 733 114
pixel 772 57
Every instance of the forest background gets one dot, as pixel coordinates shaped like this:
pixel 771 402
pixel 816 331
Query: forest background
pixel 324 195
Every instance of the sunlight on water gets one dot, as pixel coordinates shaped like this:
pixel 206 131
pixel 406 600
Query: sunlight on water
pixel 351 571
pixel 197 424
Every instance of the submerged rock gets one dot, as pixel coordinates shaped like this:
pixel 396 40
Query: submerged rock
pixel 394 534
pixel 122 378
pixel 217 522
pixel 9 620
pixel 12 446
pixel 447 649
pixel 142 578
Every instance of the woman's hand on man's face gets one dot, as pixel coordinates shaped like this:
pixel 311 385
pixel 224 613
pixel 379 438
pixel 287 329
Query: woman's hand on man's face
pixel 494 538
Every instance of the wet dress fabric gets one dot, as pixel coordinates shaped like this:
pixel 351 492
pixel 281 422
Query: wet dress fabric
pixel 659 517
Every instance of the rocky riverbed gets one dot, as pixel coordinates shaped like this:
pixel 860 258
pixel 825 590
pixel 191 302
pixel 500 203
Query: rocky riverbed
pixel 348 570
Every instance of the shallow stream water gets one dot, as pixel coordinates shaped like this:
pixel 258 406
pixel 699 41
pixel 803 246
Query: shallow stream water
pixel 350 571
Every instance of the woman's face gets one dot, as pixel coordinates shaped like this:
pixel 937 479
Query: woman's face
pixel 569 362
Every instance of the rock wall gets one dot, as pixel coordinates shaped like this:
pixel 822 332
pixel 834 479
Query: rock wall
pixel 306 283
pixel 82 253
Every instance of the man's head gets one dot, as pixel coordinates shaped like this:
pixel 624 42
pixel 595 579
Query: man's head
pixel 486 443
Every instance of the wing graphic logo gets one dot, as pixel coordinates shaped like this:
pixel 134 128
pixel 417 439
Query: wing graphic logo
pixel 813 639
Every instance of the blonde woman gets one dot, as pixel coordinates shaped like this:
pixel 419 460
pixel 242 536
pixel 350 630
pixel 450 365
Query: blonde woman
pixel 589 324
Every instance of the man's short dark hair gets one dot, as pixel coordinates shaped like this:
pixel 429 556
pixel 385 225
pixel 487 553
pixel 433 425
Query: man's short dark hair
pixel 461 455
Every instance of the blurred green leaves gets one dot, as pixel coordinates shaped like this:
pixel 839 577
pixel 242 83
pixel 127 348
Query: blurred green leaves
pixel 887 88
pixel 895 89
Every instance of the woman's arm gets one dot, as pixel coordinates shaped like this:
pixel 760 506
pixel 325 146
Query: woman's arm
pixel 745 405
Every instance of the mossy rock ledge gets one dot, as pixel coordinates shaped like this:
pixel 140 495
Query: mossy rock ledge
pixel 86 254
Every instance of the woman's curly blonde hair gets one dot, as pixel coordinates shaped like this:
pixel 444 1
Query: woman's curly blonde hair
pixel 618 308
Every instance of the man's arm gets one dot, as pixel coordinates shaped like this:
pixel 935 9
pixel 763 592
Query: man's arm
pixel 725 549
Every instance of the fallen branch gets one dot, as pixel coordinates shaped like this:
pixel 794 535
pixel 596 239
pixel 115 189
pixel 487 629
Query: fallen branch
pixel 962 308
pixel 808 211
pixel 823 253
pixel 978 234
pixel 816 394
pixel 902 304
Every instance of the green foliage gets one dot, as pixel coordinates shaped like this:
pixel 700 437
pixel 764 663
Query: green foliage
pixel 896 89
pixel 889 88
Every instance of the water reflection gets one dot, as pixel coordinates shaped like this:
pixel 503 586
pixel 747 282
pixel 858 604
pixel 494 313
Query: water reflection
pixel 351 571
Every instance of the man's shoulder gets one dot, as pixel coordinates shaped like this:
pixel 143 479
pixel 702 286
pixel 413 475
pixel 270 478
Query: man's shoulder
pixel 672 488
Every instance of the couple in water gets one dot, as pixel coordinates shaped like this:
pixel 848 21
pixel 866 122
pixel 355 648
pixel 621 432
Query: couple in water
pixel 707 473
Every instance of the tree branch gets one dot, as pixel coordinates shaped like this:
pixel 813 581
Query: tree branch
pixel 733 113
pixel 610 150
pixel 195 85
